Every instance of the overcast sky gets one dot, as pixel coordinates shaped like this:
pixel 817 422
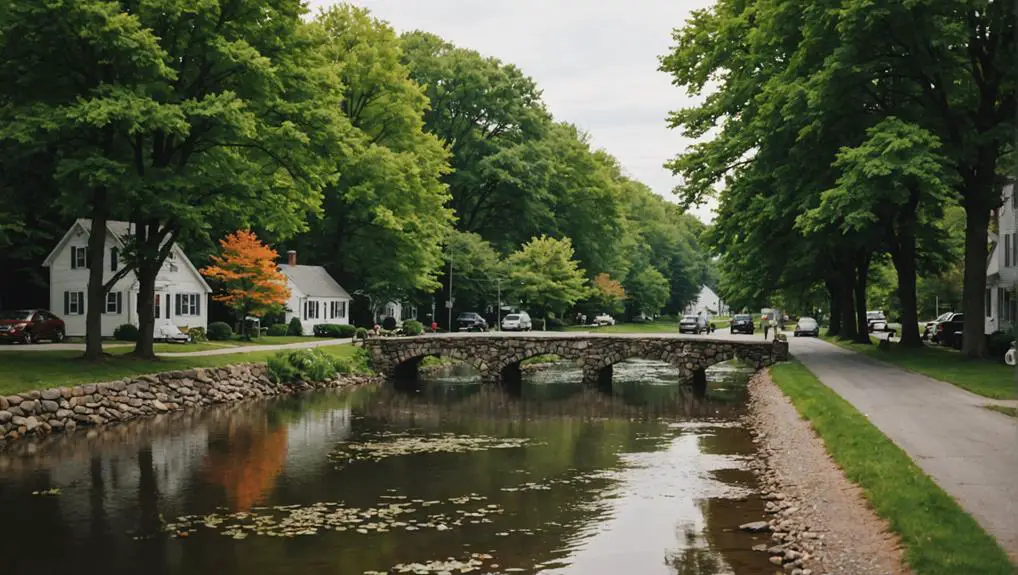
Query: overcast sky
pixel 595 61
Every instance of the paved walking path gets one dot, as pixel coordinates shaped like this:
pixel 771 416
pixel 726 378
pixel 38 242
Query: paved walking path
pixel 967 449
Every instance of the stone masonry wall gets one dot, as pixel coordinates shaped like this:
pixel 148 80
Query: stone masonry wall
pixel 97 404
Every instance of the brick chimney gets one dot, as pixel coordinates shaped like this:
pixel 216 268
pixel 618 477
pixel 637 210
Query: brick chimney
pixel 291 257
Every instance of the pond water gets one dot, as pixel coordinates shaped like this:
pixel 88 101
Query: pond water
pixel 449 476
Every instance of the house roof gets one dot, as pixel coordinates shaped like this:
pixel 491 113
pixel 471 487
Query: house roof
pixel 314 281
pixel 118 230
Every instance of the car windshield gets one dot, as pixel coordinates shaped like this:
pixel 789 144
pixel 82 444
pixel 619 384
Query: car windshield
pixel 875 315
pixel 945 316
pixel 15 314
pixel 512 317
pixel 741 317
pixel 807 321
pixel 467 316
pixel 689 318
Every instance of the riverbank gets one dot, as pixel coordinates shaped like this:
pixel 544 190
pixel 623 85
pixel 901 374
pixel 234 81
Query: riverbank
pixel 65 409
pixel 820 521
pixel 937 535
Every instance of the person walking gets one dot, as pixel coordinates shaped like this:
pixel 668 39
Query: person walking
pixel 765 324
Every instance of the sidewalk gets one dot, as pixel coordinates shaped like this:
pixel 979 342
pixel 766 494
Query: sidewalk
pixel 967 449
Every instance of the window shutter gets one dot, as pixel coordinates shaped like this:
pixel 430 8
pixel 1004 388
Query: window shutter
pixel 176 301
pixel 197 305
pixel 1014 249
pixel 67 303
pixel 1007 251
pixel 167 305
pixel 81 303
pixel 120 303
pixel 74 258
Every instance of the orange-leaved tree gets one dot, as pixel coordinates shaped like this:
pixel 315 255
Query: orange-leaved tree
pixel 608 293
pixel 251 281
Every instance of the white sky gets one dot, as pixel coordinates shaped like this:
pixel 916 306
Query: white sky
pixel 595 61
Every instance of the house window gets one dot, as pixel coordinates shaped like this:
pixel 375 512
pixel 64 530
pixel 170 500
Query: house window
pixel 114 252
pixel 113 303
pixel 74 303
pixel 79 257
pixel 188 304
pixel 337 309
pixel 311 309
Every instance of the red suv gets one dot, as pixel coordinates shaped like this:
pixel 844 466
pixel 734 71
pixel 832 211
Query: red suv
pixel 30 325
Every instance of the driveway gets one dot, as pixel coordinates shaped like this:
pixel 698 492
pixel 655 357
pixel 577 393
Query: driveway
pixel 967 449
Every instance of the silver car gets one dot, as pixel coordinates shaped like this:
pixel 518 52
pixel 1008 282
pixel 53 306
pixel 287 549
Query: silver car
pixel 517 322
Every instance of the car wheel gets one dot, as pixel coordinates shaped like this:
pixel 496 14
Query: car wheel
pixel 26 339
pixel 59 337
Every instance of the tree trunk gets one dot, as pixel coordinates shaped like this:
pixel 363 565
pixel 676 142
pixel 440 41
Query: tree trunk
pixel 905 264
pixel 96 295
pixel 834 329
pixel 144 347
pixel 862 334
pixel 977 223
pixel 848 330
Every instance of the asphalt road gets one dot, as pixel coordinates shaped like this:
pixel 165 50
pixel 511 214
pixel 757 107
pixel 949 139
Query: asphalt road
pixel 967 449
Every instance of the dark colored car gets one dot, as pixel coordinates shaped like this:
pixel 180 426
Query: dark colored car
pixel 30 325
pixel 930 327
pixel 470 321
pixel 948 331
pixel 742 323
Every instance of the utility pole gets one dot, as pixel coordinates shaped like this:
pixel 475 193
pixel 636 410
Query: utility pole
pixel 498 310
pixel 448 304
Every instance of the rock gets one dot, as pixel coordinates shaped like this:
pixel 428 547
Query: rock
pixel 796 571
pixel 50 406
pixel 31 423
pixel 5 416
pixel 4 404
pixel 50 394
pixel 775 560
pixel 159 405
pixel 28 406
pixel 755 526
pixel 14 400
pixel 760 547
pixel 64 413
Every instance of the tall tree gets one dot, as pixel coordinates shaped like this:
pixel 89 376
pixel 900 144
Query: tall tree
pixel 648 291
pixel 544 276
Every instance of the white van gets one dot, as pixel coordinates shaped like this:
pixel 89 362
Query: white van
pixel 519 321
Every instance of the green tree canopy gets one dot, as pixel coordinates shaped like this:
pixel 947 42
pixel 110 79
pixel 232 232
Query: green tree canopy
pixel 544 276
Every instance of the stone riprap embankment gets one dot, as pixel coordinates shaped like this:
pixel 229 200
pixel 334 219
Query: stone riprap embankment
pixel 67 408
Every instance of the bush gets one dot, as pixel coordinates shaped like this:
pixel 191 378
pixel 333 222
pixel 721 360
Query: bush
pixel 313 365
pixel 197 334
pixel 413 327
pixel 389 323
pixel 278 329
pixel 997 344
pixel 295 327
pixel 126 332
pixel 361 333
pixel 554 323
pixel 220 331
pixel 334 330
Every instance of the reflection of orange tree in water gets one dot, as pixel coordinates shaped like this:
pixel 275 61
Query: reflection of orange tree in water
pixel 255 454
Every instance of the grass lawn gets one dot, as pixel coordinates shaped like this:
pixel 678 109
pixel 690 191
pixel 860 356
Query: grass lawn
pixel 44 369
pixel 1013 412
pixel 633 327
pixel 987 378
pixel 939 537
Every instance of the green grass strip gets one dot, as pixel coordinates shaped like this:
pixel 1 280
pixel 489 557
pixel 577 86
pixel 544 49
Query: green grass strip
pixel 939 537
pixel 1013 412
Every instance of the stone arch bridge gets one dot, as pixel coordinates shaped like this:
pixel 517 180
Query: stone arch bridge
pixel 497 357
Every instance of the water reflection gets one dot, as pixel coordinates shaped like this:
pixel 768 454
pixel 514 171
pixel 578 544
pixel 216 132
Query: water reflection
pixel 643 477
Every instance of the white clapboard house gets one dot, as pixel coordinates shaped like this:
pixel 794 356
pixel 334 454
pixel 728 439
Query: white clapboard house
pixel 315 297
pixel 1002 267
pixel 181 293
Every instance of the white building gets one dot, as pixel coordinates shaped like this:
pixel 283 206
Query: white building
pixel 181 293
pixel 399 311
pixel 1002 267
pixel 708 302
pixel 315 297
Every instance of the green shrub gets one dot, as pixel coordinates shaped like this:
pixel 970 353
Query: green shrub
pixel 334 330
pixel 126 332
pixel 361 333
pixel 413 327
pixel 389 323
pixel 295 327
pixel 307 365
pixel 997 344
pixel 197 334
pixel 220 331
pixel 278 329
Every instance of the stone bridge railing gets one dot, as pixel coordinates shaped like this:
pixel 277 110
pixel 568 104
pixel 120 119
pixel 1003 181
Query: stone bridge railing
pixel 498 357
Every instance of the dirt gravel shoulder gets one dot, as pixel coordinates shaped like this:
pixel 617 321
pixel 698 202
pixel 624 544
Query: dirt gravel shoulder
pixel 821 522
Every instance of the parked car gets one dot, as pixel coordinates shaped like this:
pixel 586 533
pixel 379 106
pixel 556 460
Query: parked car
pixel 948 331
pixel 693 324
pixel 930 327
pixel 31 325
pixel 471 321
pixel 519 321
pixel 742 323
pixel 603 319
pixel 807 326
pixel 876 321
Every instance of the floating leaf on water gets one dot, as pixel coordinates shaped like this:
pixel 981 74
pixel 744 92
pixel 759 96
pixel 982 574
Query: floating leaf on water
pixel 50 492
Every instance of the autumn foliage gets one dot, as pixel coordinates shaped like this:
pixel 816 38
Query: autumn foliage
pixel 608 293
pixel 251 280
